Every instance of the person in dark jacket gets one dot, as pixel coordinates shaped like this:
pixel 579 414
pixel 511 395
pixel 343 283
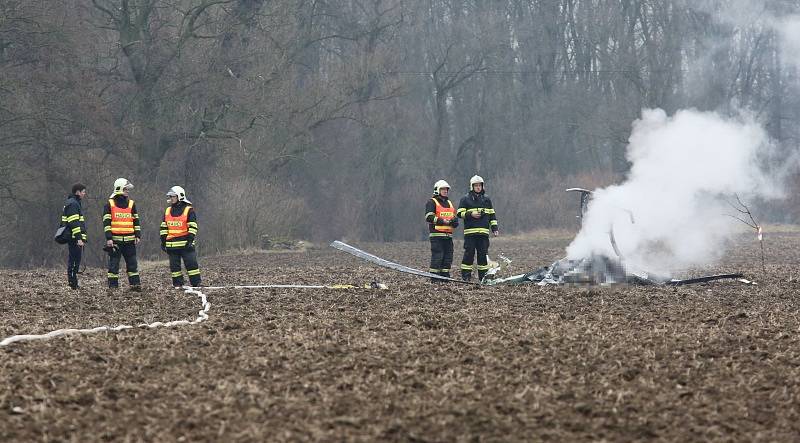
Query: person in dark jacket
pixel 123 233
pixel 441 217
pixel 72 218
pixel 479 220
pixel 178 232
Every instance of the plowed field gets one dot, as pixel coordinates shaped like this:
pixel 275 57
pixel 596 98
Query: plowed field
pixel 415 362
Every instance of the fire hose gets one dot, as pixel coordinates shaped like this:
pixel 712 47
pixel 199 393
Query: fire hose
pixel 202 315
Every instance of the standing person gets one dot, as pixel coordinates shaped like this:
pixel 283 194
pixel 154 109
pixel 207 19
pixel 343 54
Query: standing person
pixel 72 218
pixel 178 232
pixel 123 233
pixel 479 219
pixel 441 217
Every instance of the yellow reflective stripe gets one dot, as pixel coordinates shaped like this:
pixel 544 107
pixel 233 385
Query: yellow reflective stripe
pixel 461 212
pixel 76 230
pixel 83 237
pixel 476 231
pixel 176 244
pixel 71 218
pixel 112 275
pixel 137 228
pixel 193 272
pixel 107 217
pixel 132 274
pixel 493 223
pixel 488 211
pixel 136 216
pixel 466 267
pixel 82 219
pixel 193 224
pixel 438 234
pixel 483 267
pixel 123 238
pixel 176 274
pixel 106 228
pixel 163 232
pixel 192 231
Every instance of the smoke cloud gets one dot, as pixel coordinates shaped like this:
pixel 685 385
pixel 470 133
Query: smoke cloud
pixel 670 213
pixel 777 17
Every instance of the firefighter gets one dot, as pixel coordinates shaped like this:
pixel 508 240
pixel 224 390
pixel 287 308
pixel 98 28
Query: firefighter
pixel 440 215
pixel 178 232
pixel 72 219
pixel 479 220
pixel 123 233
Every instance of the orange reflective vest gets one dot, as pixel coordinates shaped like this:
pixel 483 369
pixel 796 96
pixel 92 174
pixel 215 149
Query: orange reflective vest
pixel 444 214
pixel 177 226
pixel 121 218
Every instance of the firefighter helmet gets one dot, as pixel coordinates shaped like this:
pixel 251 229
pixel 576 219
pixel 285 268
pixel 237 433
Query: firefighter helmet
pixel 439 185
pixel 177 191
pixel 120 186
pixel 475 179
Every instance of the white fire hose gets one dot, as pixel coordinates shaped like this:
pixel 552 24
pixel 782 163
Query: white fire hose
pixel 202 315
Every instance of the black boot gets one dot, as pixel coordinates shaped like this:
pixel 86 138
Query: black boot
pixel 466 276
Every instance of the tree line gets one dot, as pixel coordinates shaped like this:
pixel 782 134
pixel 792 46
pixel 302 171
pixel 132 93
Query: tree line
pixel 319 119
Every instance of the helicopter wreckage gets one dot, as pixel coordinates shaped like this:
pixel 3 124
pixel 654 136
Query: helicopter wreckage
pixel 593 270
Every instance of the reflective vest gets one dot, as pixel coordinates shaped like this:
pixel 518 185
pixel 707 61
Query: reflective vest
pixel 177 227
pixel 443 214
pixel 121 218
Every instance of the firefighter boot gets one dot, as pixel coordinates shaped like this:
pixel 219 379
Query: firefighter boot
pixel 466 276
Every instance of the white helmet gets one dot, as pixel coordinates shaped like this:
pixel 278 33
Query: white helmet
pixel 120 185
pixel 179 192
pixel 475 179
pixel 439 185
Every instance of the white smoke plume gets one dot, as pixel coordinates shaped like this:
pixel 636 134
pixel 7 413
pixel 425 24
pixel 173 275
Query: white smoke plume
pixel 670 213
pixel 788 29
pixel 782 18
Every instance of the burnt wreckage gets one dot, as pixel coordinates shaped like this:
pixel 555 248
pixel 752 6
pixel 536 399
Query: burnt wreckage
pixel 593 270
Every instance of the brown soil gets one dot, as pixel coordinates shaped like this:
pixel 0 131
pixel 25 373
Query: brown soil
pixel 416 362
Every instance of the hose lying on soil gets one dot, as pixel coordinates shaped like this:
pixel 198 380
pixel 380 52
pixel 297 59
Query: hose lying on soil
pixel 202 315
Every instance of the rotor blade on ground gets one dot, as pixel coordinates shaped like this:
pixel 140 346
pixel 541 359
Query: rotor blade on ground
pixel 344 247
pixel 707 278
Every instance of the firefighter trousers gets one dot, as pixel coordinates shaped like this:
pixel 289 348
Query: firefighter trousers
pixel 189 257
pixel 127 251
pixel 73 263
pixel 441 256
pixel 475 244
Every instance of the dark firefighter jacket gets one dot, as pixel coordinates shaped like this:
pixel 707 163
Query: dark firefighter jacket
pixel 181 242
pixel 121 201
pixel 480 203
pixel 73 218
pixel 430 216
